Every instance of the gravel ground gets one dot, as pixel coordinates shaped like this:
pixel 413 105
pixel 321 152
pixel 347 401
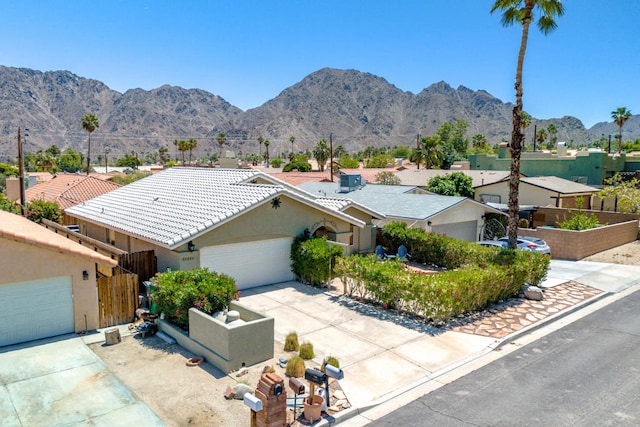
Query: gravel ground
pixel 628 254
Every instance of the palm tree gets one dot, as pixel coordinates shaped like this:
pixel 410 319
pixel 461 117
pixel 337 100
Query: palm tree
pixel 222 138
pixel 292 139
pixel 260 141
pixel 266 150
pixel 620 117
pixel 521 12
pixel 321 153
pixel 431 151
pixel 182 146
pixel 90 124
pixel 191 144
pixel 541 137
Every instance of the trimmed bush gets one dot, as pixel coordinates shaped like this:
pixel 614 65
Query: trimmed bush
pixel 177 291
pixel 478 276
pixel 306 351
pixel 295 367
pixel 291 342
pixel 313 260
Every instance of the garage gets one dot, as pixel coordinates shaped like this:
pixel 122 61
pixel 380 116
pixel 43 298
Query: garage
pixel 35 310
pixel 252 264
pixel 467 230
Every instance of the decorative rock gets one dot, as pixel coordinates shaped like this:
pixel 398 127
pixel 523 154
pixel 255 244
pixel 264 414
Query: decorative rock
pixel 242 372
pixel 240 390
pixel 533 293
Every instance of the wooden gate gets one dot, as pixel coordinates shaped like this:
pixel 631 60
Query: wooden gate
pixel 143 263
pixel 117 299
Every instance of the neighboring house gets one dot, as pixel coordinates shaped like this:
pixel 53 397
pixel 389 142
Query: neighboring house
pixel 235 221
pixel 48 282
pixel 539 191
pixel 458 217
pixel 421 177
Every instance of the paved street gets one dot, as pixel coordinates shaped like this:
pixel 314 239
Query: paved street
pixel 585 374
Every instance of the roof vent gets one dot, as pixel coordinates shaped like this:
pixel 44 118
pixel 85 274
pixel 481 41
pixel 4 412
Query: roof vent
pixel 350 182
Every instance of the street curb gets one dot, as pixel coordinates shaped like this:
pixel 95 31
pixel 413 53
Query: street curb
pixel 353 412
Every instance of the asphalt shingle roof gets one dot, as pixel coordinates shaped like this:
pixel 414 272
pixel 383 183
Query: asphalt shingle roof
pixel 178 204
pixel 559 185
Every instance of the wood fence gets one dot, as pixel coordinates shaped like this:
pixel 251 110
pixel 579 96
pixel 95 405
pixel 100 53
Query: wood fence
pixel 143 263
pixel 117 299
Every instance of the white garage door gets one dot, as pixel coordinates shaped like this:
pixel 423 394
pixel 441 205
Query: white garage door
pixel 252 264
pixel 35 310
pixel 460 230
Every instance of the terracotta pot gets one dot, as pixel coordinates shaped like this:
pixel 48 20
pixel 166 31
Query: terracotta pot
pixel 313 411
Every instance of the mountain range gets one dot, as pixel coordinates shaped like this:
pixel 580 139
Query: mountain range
pixel 356 109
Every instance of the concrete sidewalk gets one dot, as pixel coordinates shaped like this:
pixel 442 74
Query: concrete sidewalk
pixel 383 355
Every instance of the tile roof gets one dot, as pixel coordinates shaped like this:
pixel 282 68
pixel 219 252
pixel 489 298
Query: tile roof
pixel 297 178
pixel 178 204
pixel 69 189
pixel 560 185
pixel 390 200
pixel 19 229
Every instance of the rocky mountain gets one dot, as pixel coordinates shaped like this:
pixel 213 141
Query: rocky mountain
pixel 358 109
pixel 630 130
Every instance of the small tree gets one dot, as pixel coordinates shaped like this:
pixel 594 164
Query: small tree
pixel 453 184
pixel 626 193
pixel 39 209
pixel 387 178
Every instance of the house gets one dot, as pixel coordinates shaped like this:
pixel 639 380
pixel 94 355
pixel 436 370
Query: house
pixel 48 282
pixel 539 191
pixel 235 221
pixel 458 217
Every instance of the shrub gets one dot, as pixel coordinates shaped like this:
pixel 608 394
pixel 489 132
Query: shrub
pixel 295 367
pixel 379 161
pixel 306 351
pixel 177 291
pixel 291 342
pixel 329 360
pixel 299 166
pixel 313 260
pixel 275 162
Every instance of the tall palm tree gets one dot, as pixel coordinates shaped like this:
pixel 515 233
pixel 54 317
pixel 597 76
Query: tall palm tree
pixel 90 124
pixel 260 141
pixel 620 117
pixel 522 12
pixel 292 139
pixel 191 144
pixel 222 138
pixel 266 150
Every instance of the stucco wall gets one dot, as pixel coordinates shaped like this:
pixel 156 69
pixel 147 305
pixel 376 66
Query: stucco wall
pixel 575 245
pixel 20 262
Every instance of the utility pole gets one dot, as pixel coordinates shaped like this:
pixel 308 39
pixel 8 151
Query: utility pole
pixel 331 154
pixel 418 150
pixel 21 173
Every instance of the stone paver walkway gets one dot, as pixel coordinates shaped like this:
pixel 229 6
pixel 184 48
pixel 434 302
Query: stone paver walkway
pixel 510 316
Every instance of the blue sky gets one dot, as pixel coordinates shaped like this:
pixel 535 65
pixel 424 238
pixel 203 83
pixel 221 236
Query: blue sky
pixel 247 52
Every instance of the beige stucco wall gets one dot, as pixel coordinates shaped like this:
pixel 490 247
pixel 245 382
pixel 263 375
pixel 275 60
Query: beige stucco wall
pixel 530 195
pixel 21 262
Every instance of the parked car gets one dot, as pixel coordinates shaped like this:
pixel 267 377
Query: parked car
pixel 530 244
pixel 524 243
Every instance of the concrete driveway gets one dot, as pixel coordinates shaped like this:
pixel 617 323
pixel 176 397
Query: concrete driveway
pixel 62 382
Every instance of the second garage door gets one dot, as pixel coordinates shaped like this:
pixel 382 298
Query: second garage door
pixel 251 264
pixel 35 310
pixel 460 230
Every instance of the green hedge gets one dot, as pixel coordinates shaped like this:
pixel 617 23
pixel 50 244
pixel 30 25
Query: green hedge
pixel 176 292
pixel 313 260
pixel 477 276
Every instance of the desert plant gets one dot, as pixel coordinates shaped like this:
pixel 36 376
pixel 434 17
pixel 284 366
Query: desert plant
pixel 306 351
pixel 295 367
pixel 291 342
pixel 330 360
